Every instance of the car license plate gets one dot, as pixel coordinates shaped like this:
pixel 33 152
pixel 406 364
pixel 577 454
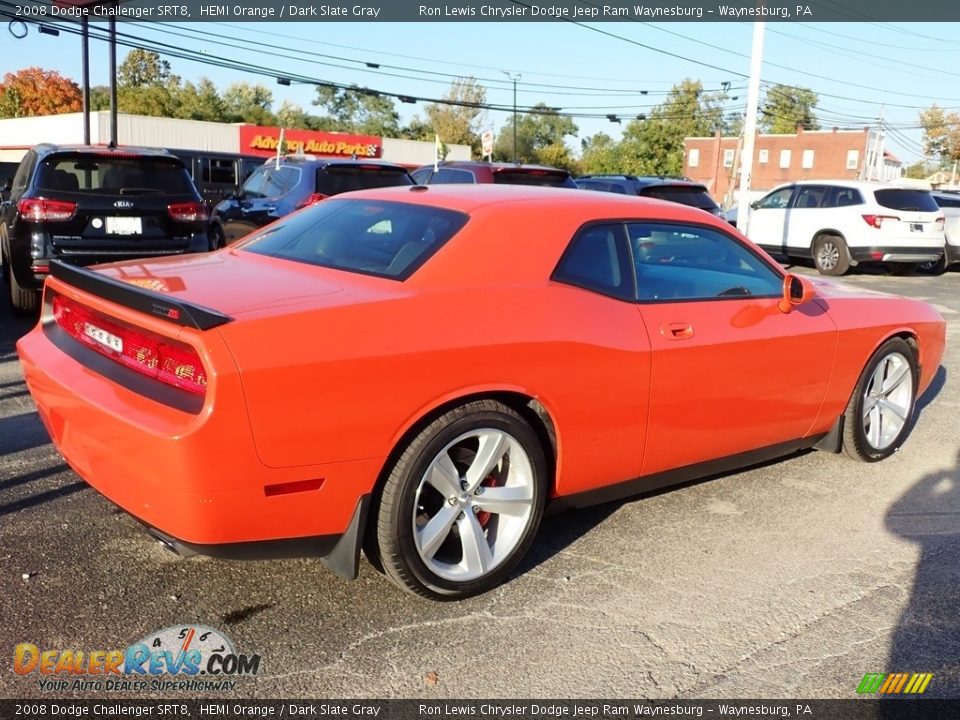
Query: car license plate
pixel 99 335
pixel 916 227
pixel 124 226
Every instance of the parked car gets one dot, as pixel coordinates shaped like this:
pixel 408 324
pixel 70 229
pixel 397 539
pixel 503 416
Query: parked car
pixel 276 189
pixel 949 203
pixel 90 204
pixel 477 171
pixel 674 189
pixel 7 171
pixel 370 372
pixel 840 224
pixel 218 174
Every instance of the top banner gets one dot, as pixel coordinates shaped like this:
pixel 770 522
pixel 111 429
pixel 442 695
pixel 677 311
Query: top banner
pixel 576 11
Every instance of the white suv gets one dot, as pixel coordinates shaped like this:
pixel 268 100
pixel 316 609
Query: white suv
pixel 841 223
pixel 949 203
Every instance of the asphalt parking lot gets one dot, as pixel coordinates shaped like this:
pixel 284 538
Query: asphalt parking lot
pixel 789 580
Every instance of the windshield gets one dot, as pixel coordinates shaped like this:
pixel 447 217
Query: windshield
pixel 520 176
pixel 337 179
pixel 373 237
pixel 906 199
pixel 133 175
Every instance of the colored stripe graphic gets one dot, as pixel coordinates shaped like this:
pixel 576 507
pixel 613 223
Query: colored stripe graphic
pixel 894 683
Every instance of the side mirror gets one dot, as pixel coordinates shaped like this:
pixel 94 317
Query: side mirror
pixel 796 291
pixel 755 205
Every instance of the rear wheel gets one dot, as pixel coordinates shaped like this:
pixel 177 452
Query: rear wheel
pixel 881 408
pixel 934 267
pixel 215 236
pixel 462 503
pixel 830 255
pixel 23 300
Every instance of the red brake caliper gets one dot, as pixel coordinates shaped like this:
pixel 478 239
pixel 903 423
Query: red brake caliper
pixel 483 517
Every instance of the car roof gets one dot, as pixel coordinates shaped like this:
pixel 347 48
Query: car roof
pixel 859 184
pixel 645 180
pixel 470 197
pixel 119 150
pixel 328 161
pixel 466 164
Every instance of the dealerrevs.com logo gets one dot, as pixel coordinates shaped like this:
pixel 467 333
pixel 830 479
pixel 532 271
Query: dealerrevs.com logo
pixel 188 658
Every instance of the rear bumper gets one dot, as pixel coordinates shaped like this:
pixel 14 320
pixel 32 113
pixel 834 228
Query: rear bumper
pixel 953 253
pixel 194 477
pixel 904 254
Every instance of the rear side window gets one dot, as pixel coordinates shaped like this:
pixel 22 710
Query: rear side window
pixel 270 181
pixel 694 196
pixel 336 179
pixel 809 196
pixel 373 237
pixel 842 197
pixel 947 202
pixel 596 260
pixel 550 178
pixel 111 175
pixel 906 199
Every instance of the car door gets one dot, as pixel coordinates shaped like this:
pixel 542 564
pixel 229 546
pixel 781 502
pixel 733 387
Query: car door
pixel 256 204
pixel 805 216
pixel 768 220
pixel 731 372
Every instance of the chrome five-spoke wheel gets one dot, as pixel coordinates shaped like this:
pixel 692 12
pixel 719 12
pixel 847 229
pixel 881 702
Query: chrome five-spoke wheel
pixel 881 409
pixel 462 502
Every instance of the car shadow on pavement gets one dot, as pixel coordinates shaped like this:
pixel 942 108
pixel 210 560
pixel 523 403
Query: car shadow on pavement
pixel 927 637
pixel 936 385
pixel 22 432
pixel 40 498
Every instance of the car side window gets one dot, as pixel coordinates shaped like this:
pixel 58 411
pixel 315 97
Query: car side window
pixel 421 176
pixel 23 173
pixel 449 176
pixel 687 262
pixel 841 197
pixel 809 196
pixel 596 259
pixel 778 199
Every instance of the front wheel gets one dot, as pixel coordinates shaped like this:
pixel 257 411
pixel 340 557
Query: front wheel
pixel 830 255
pixel 880 411
pixel 215 236
pixel 462 503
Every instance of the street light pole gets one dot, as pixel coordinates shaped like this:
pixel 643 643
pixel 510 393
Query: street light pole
pixel 514 77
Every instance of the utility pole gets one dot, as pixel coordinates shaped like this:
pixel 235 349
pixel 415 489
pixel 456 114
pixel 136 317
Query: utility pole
pixel 750 128
pixel 514 77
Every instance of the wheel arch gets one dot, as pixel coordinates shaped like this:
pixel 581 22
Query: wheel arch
pixel 827 231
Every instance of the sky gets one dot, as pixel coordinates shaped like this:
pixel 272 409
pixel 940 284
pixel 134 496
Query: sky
pixel 861 71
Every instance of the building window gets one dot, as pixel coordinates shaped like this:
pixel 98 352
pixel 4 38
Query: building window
pixel 728 157
pixel 806 162
pixel 853 159
pixel 763 157
pixel 784 159
pixel 694 158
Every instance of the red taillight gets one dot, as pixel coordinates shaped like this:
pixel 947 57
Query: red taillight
pixel 311 199
pixel 188 211
pixel 156 357
pixel 938 223
pixel 876 221
pixel 41 210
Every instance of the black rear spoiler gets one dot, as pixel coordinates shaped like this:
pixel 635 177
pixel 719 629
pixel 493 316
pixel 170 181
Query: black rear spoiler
pixel 146 301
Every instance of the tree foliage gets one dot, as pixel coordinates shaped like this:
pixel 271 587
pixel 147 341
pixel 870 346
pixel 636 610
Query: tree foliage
pixel 359 110
pixel 541 138
pixel 461 123
pixel 941 134
pixel 787 107
pixel 34 91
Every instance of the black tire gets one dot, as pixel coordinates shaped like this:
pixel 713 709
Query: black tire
pixel 938 267
pixel 215 237
pixel 856 443
pixel 830 255
pixel 395 519
pixel 25 301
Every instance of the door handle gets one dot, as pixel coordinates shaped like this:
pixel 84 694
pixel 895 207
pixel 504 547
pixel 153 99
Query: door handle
pixel 676 330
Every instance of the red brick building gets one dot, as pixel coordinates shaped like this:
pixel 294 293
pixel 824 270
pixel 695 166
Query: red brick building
pixel 804 155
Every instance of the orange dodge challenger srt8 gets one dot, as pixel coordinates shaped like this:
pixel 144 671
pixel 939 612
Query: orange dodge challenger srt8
pixel 420 371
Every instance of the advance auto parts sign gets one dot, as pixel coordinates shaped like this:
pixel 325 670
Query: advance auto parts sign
pixel 259 140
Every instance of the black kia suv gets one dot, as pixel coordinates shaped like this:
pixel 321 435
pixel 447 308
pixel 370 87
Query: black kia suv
pixel 278 188
pixel 92 204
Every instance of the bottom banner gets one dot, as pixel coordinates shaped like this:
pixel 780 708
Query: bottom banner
pixel 858 709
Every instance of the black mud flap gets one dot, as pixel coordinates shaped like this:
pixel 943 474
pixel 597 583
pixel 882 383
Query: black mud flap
pixel 344 558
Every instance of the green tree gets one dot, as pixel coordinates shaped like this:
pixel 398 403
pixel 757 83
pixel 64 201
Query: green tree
pixel 200 102
pixel 359 110
pixel 654 145
pixel 920 170
pixel 459 123
pixel 541 137
pixel 941 134
pixel 786 107
pixel 145 85
pixel 598 154
pixel 100 97
pixel 249 103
